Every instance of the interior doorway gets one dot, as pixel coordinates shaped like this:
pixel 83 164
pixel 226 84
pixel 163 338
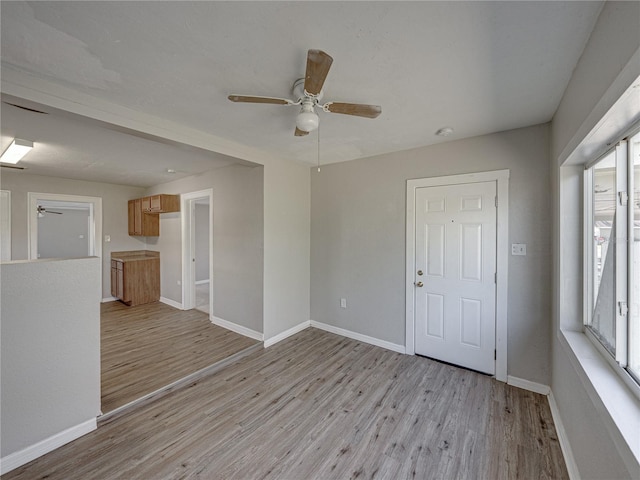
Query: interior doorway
pixel 64 226
pixel 63 229
pixel 202 254
pixel 197 251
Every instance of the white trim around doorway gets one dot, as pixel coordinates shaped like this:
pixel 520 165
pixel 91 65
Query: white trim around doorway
pixel 501 177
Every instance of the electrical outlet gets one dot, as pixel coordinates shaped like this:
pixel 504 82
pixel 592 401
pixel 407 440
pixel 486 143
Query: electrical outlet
pixel 518 249
pixel 343 303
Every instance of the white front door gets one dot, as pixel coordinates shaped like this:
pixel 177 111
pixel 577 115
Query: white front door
pixel 455 267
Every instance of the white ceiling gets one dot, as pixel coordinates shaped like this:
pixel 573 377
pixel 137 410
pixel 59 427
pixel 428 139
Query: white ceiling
pixel 72 147
pixel 479 67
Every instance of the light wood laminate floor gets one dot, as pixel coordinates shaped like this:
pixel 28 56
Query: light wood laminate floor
pixel 320 406
pixel 146 347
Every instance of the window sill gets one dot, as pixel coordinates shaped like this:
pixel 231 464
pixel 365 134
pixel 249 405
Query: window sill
pixel 609 394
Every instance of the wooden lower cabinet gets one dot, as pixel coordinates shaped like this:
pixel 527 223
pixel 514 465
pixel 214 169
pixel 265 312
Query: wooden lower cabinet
pixel 117 279
pixel 136 281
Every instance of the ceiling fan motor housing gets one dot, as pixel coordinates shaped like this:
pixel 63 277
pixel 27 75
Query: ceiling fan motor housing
pixel 299 92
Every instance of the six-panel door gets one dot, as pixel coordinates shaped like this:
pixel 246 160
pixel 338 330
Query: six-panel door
pixel 455 292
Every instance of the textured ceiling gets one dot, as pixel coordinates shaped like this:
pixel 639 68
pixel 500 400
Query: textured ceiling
pixel 479 67
pixel 72 147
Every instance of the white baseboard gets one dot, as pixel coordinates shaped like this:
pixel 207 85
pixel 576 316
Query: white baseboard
pixel 287 333
pixel 234 327
pixel 108 299
pixel 19 458
pixel 202 282
pixel 171 303
pixel 569 460
pixel 359 336
pixel 528 385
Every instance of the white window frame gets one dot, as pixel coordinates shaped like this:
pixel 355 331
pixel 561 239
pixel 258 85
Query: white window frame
pixel 624 183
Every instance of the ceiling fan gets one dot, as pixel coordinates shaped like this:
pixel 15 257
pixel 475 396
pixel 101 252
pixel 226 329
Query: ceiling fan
pixel 307 93
pixel 42 211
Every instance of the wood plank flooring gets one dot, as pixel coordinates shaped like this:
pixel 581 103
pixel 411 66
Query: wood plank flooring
pixel 320 406
pixel 146 347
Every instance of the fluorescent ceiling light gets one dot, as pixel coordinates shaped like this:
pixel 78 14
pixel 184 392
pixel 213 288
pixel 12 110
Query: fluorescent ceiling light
pixel 17 150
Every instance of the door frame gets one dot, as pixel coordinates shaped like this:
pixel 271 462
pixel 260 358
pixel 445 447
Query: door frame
pixel 188 247
pixel 95 221
pixel 5 212
pixel 501 177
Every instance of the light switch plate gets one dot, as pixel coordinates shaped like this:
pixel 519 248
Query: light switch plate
pixel 518 249
pixel 343 303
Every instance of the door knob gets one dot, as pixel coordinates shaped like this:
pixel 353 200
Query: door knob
pixel 419 284
pixel 419 272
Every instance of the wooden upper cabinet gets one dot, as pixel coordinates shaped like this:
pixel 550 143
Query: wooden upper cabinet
pixel 132 216
pixel 144 220
pixel 146 204
pixel 161 203
pixel 140 223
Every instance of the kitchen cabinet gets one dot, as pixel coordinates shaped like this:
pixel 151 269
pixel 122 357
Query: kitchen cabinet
pixel 141 223
pixel 135 276
pixel 161 203
pixel 144 219
pixel 117 279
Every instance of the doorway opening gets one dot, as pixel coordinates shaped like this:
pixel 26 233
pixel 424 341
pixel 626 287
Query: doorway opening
pixel 457 238
pixel 197 251
pixel 64 226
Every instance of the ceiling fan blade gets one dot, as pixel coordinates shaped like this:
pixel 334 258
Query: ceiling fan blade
pixel 253 99
pixel 300 133
pixel 318 64
pixel 369 111
pixel 42 210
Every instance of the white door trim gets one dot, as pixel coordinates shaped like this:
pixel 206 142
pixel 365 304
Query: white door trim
pixel 95 214
pixel 501 177
pixel 5 241
pixel 188 245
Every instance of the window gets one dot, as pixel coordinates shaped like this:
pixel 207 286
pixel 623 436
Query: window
pixel 612 247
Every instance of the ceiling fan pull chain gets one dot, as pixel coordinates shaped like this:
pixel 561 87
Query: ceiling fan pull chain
pixel 318 148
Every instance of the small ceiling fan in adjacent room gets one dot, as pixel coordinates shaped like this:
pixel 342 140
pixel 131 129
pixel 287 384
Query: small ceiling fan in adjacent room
pixel 42 211
pixel 307 92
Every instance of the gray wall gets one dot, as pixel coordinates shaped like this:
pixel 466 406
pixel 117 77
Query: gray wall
pixel 202 241
pixel 63 236
pixel 286 246
pixel 114 213
pixel 358 238
pixel 49 357
pixel 237 242
pixel 598 81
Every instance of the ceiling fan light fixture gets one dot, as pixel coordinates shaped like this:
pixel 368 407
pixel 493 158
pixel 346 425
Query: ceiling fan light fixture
pixel 307 121
pixel 445 132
